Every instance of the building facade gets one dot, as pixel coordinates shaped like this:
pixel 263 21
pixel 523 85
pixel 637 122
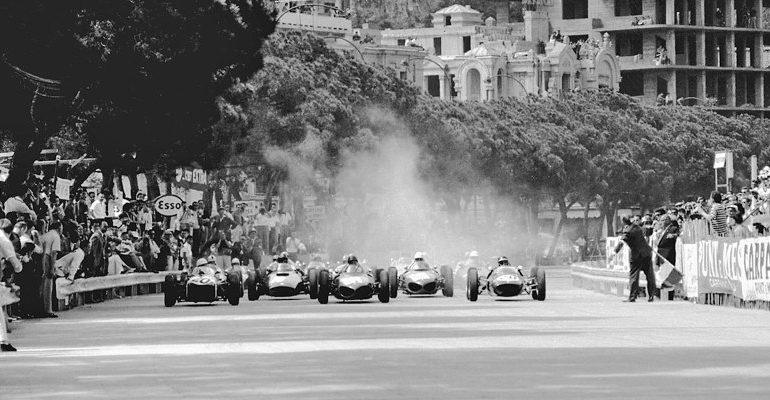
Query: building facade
pixel 706 52
pixel 470 60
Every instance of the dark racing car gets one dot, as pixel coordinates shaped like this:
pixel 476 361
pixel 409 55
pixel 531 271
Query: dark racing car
pixel 353 282
pixel 506 281
pixel 205 284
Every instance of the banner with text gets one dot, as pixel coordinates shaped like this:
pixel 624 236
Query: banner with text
pixel 737 267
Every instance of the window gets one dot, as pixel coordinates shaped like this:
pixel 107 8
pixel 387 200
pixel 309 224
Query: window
pixel 402 75
pixel 632 83
pixel 628 7
pixel 452 91
pixel 434 85
pixel 448 20
pixel 466 44
pixel 401 42
pixel 574 9
pixel 437 45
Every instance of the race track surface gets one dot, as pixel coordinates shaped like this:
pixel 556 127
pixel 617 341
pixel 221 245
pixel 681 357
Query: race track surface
pixel 577 344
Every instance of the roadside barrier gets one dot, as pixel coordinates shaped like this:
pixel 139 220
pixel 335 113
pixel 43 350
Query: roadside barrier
pixel 714 270
pixel 72 294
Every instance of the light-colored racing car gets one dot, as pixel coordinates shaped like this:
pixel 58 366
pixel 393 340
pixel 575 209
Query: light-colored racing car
pixel 420 278
pixel 205 284
pixel 354 282
pixel 506 281
pixel 283 280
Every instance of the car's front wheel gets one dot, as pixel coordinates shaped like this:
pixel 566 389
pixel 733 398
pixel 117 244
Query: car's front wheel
pixel 312 282
pixel 449 281
pixel 323 286
pixel 472 286
pixel 539 276
pixel 384 294
pixel 393 282
pixel 169 291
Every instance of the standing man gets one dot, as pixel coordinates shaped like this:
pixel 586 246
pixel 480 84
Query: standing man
pixel 641 259
pixel 51 244
pixel 97 211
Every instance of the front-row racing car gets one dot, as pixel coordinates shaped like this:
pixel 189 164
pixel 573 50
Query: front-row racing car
pixel 506 281
pixel 282 280
pixel 420 278
pixel 206 284
pixel 353 282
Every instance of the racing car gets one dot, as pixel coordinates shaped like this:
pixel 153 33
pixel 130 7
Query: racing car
pixel 206 284
pixel 420 278
pixel 506 281
pixel 353 282
pixel 283 280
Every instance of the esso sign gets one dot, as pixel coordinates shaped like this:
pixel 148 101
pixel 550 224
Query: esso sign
pixel 168 205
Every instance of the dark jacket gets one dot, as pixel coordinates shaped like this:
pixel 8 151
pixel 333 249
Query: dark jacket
pixel 634 237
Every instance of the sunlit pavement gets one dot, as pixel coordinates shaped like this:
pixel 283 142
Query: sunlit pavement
pixel 576 344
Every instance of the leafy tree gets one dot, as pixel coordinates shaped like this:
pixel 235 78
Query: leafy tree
pixel 125 76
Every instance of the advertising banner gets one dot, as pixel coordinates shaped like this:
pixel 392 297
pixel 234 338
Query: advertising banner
pixel 737 267
pixel 689 262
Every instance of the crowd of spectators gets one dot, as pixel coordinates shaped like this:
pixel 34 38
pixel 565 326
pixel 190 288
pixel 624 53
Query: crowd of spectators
pixel 95 234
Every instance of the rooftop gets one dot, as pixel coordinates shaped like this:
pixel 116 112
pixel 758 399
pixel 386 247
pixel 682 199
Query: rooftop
pixel 457 9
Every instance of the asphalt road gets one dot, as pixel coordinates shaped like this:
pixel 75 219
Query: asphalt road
pixel 576 344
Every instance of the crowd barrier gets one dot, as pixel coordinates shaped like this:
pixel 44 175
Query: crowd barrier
pixel 714 270
pixel 75 293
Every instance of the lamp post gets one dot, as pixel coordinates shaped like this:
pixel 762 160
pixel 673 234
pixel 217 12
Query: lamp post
pixel 444 68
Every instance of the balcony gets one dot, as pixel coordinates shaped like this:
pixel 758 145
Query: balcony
pixel 316 23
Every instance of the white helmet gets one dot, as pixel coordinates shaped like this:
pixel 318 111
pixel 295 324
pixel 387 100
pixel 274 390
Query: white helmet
pixel 419 255
pixel 473 253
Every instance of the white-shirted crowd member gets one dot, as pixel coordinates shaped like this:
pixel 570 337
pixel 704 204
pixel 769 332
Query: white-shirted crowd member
pixel 17 205
pixel 98 209
pixel 145 218
pixel 263 229
pixel 8 255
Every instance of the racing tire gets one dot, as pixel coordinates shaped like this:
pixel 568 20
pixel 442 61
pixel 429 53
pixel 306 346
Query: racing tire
pixel 323 286
pixel 449 281
pixel 240 287
pixel 384 294
pixel 393 282
pixel 234 289
pixel 539 275
pixel 261 282
pixel 312 283
pixel 472 286
pixel 251 286
pixel 169 291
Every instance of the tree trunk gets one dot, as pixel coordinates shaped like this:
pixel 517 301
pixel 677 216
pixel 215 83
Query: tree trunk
pixel 108 179
pixel 153 189
pixel 134 185
pixel 24 156
pixel 563 209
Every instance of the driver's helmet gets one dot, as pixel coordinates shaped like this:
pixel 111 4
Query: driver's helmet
pixel 202 262
pixel 352 259
pixel 473 254
pixel 235 262
pixel 503 261
pixel 419 256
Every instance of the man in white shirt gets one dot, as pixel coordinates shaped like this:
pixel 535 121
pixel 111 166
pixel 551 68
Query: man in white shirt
pixel 69 265
pixel 17 205
pixel 98 209
pixel 8 254
pixel 51 243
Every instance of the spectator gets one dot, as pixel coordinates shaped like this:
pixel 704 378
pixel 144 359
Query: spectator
pixel 97 245
pixel 69 265
pixel 263 228
pixel 716 215
pixel 145 218
pixel 252 248
pixel 97 212
pixel 51 244
pixel 292 247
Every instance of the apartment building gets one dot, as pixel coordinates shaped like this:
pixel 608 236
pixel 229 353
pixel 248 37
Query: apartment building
pixel 705 52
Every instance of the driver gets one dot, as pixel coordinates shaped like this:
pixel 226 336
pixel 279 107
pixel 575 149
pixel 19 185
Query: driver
pixel 501 262
pixel 201 267
pixel 419 262
pixel 352 264
pixel 340 267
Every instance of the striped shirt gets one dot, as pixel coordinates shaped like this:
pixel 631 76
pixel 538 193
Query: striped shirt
pixel 718 218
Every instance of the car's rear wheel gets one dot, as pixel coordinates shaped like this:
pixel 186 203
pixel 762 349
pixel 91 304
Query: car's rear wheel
pixel 312 283
pixel 449 281
pixel 251 286
pixel 323 286
pixel 169 291
pixel 393 281
pixel 472 287
pixel 384 293
pixel 234 289
pixel 539 292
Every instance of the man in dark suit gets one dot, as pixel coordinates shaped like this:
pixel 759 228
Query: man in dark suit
pixel 641 259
